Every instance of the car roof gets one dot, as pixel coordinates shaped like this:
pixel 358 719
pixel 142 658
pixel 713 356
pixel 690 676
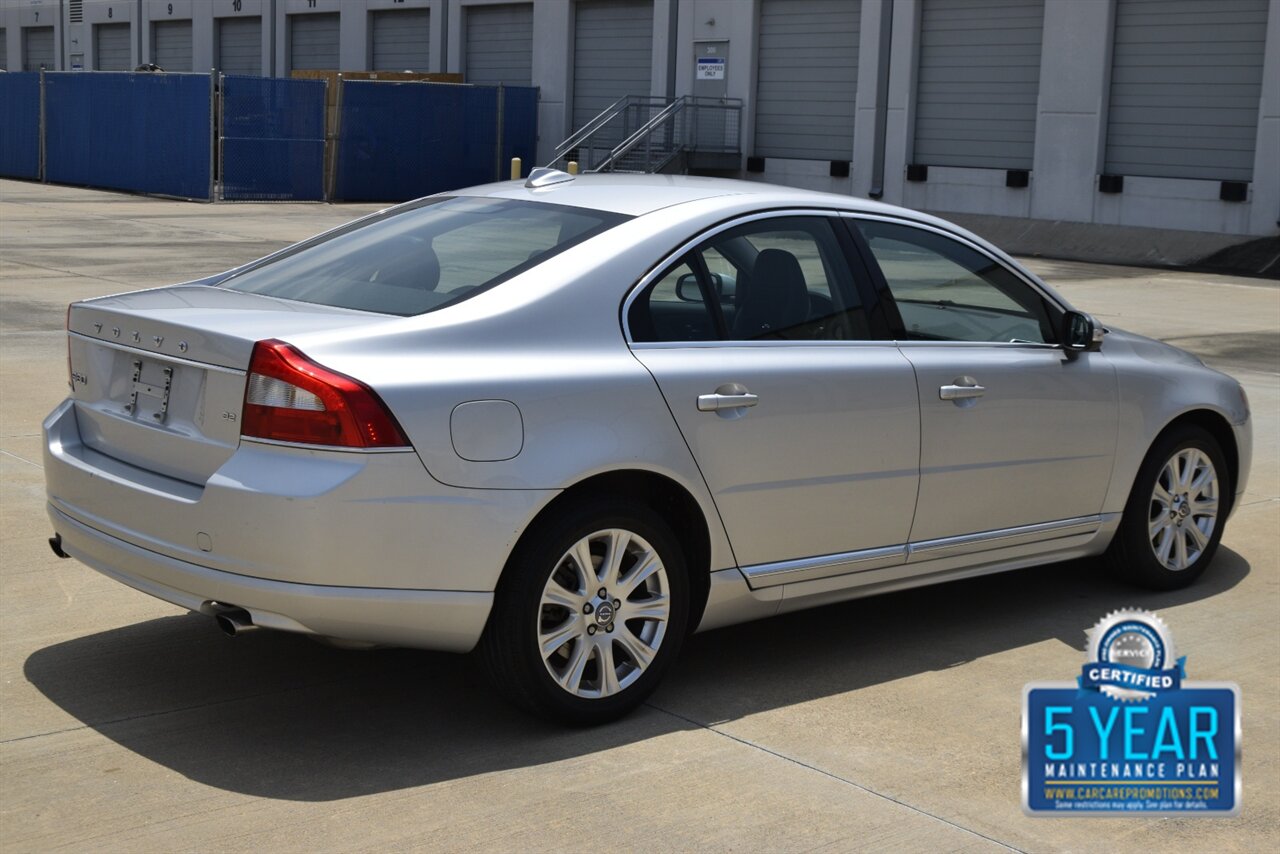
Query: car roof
pixel 637 195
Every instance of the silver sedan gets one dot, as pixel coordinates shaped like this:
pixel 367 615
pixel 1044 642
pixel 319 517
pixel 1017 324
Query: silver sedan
pixel 568 421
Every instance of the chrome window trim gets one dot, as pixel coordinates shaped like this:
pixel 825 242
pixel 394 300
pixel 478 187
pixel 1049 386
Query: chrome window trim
pixel 693 243
pixel 828 213
pixel 764 575
pixel 1008 345
pixel 760 345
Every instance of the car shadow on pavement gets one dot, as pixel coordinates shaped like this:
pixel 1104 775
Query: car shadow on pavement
pixel 274 715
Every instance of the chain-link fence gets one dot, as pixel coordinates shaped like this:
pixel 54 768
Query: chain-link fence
pixel 399 141
pixel 272 138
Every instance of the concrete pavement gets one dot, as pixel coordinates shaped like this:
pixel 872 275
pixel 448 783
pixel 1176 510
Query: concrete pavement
pixel 887 723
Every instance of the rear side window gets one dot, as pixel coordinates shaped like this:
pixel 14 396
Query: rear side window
pixel 778 279
pixel 417 259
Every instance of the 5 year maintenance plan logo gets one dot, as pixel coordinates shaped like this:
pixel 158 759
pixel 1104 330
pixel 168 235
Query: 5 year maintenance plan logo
pixel 1130 736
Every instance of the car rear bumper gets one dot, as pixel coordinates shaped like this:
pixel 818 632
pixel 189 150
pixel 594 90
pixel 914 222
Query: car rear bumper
pixel 446 620
pixel 303 516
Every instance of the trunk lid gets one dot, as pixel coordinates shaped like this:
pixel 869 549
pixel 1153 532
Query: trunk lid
pixel 158 376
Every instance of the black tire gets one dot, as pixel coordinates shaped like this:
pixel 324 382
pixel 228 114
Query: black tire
pixel 509 648
pixel 1131 553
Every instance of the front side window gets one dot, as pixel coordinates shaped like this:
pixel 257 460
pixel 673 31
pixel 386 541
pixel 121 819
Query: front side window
pixel 946 291
pixel 423 257
pixel 780 279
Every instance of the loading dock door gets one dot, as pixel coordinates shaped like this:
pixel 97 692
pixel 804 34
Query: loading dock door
pixel 1186 79
pixel 807 78
pixel 499 46
pixel 37 49
pixel 240 45
pixel 171 45
pixel 978 83
pixel 401 40
pixel 313 42
pixel 111 49
pixel 612 54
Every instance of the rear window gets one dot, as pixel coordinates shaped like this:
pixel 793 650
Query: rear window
pixel 417 259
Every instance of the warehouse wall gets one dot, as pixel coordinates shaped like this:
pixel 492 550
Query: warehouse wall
pixel 1069 144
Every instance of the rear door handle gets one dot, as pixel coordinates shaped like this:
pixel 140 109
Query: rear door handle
pixel 961 388
pixel 718 402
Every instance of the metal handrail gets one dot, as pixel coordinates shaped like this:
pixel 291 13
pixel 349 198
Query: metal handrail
pixel 647 128
pixel 679 137
pixel 607 115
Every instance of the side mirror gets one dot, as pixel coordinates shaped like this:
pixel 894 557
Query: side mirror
pixel 687 287
pixel 1080 333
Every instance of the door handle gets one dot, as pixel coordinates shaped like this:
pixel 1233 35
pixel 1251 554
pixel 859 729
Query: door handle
pixel 719 402
pixel 961 388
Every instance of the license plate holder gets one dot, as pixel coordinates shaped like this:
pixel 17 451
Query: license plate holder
pixel 156 390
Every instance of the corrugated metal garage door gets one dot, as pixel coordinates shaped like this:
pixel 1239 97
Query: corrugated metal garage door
pixel 171 45
pixel 612 54
pixel 111 49
pixel 401 40
pixel 499 45
pixel 37 49
pixel 240 45
pixel 807 78
pixel 1186 79
pixel 978 83
pixel 313 42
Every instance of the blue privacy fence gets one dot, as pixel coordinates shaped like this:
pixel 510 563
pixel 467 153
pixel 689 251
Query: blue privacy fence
pixel 261 138
pixel 147 133
pixel 20 124
pixel 273 138
pixel 398 141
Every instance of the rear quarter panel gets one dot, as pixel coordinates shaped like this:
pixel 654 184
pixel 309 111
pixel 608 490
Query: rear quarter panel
pixel 549 341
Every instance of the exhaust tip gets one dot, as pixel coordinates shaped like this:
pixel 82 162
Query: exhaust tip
pixel 232 620
pixel 55 543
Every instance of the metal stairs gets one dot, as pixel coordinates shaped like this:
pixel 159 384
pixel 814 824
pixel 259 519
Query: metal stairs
pixel 643 134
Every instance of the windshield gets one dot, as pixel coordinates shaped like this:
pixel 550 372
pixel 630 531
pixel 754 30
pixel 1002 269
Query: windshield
pixel 417 259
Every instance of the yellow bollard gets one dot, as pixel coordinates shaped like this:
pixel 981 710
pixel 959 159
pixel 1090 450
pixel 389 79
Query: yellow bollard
pixel 515 169
pixel 573 167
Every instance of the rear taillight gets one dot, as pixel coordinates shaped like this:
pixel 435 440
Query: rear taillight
pixel 290 398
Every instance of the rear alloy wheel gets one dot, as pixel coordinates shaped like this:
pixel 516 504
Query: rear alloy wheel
pixel 589 612
pixel 1173 522
pixel 604 613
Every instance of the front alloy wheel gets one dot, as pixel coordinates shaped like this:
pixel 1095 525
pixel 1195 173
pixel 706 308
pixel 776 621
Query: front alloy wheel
pixel 1184 509
pixel 1173 521
pixel 591 608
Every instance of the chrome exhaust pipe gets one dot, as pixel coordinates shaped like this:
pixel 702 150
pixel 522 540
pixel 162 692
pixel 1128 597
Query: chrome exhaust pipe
pixel 232 620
